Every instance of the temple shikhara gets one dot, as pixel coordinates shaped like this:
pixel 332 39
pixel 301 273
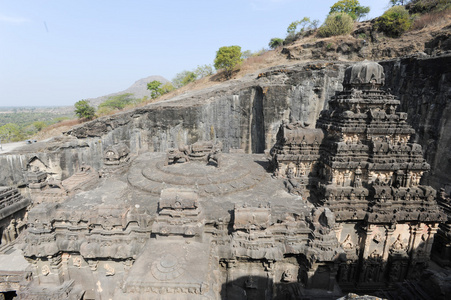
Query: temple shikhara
pixel 332 208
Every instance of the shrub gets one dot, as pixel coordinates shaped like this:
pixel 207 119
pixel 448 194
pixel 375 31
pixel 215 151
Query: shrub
pixel 156 90
pixel 183 78
pixel 117 102
pixel 167 88
pixel 351 7
pixel 394 22
pixel 203 71
pixel 84 110
pixel 275 43
pixel 338 23
pixel 425 6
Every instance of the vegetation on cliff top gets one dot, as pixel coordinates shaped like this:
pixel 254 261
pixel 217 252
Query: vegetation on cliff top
pixel 232 62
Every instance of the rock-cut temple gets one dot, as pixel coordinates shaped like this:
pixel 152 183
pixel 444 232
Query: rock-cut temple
pixel 334 207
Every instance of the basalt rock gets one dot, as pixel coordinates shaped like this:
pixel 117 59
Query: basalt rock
pixel 343 207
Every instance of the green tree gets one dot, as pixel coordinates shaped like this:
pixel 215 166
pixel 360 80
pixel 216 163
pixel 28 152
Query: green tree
pixel 246 54
pixel 394 22
pixel 338 23
pixel 154 88
pixel 302 23
pixel 39 125
pixel 227 58
pixel 11 133
pixel 275 43
pixel 190 77
pixel 203 71
pixel 117 102
pixel 84 110
pixel 351 7
pixel 166 88
pixel 183 78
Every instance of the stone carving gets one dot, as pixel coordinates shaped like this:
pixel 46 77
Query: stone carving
pixel 109 270
pixel 215 156
pixel 188 230
pixel 398 247
pixel 116 154
pixel 287 276
pixel 12 214
pixel 206 151
pixel 76 261
pixel 175 155
pixel 366 170
pixel 45 270
pixel 167 267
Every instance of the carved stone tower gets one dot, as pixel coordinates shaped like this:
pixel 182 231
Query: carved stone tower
pixel 368 174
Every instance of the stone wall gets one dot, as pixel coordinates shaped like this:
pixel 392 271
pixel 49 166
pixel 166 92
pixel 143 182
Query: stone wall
pixel 424 87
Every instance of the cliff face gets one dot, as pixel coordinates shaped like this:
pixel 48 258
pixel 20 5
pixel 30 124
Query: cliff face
pixel 243 114
pixel 246 113
pixel 424 87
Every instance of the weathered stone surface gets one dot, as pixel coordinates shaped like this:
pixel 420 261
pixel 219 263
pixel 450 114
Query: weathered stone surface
pixel 356 215
pixel 246 114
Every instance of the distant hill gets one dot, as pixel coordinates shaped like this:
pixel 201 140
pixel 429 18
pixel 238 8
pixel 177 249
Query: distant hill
pixel 138 89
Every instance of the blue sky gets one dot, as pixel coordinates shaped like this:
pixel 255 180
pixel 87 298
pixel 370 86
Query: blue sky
pixel 56 52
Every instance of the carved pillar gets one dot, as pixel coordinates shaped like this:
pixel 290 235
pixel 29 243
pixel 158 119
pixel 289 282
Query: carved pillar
pixel 368 234
pixel 333 276
pixel 310 274
pixel 65 265
pixel 432 230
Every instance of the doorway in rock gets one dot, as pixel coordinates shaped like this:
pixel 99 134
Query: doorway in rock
pixel 8 295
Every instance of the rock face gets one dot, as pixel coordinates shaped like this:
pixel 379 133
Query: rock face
pixel 424 88
pixel 246 114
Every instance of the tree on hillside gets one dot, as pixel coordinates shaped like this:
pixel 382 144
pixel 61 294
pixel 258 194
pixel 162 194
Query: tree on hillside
pixel 117 102
pixel 394 22
pixel 39 125
pixel 84 110
pixel 166 88
pixel 183 78
pixel 227 58
pixel 154 88
pixel 338 23
pixel 351 7
pixel 203 71
pixel 303 25
pixel 275 42
pixel 11 133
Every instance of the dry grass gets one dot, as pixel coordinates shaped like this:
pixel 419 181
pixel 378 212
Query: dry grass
pixel 56 129
pixel 432 19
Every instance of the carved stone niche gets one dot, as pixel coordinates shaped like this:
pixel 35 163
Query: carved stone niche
pixel 36 179
pixel 179 214
pixel 252 218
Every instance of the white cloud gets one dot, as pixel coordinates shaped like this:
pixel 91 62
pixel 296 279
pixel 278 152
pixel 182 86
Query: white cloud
pixel 14 20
